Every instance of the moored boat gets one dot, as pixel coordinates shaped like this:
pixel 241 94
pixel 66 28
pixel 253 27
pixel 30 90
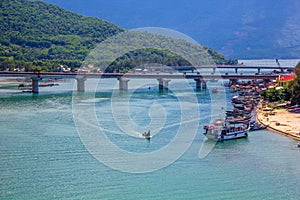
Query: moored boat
pixel 255 126
pixel 220 131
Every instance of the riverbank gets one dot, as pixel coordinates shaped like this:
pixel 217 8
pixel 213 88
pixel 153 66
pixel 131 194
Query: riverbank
pixel 281 121
pixel 9 81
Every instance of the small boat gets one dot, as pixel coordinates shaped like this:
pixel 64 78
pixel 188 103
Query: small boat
pixel 215 89
pixel 239 119
pixel 257 126
pixel 146 135
pixel 239 106
pixel 298 144
pixel 237 112
pixel 220 131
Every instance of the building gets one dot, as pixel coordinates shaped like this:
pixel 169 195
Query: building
pixel 282 80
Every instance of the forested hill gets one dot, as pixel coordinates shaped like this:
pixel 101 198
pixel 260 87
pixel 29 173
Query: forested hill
pixel 34 31
pixel 38 36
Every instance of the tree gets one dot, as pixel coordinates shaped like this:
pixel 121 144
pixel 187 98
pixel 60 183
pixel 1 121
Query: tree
pixel 294 87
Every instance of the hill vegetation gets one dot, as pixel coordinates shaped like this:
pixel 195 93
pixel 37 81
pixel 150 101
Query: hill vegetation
pixel 253 29
pixel 34 33
pixel 38 36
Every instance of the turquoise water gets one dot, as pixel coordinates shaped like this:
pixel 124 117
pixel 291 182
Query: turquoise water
pixel 43 157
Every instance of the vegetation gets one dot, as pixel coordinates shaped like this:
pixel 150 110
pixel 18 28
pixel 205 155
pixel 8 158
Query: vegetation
pixel 290 92
pixel 276 95
pixel 294 87
pixel 38 36
pixel 34 33
pixel 139 57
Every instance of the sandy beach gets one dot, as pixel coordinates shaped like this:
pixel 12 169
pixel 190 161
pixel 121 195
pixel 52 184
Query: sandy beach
pixel 281 121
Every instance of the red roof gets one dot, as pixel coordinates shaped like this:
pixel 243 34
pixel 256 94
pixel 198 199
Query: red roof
pixel 288 77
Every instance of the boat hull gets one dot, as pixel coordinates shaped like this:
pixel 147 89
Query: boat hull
pixel 229 136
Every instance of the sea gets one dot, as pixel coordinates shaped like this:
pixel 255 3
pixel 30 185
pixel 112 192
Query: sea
pixel 60 144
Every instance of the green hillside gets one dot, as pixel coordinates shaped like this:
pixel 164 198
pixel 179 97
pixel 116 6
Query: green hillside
pixel 38 36
pixel 33 31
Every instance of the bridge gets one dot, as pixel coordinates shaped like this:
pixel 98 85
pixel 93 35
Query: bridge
pixel 235 67
pixel 124 78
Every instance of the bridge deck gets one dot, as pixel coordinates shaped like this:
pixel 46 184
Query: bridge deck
pixel 134 75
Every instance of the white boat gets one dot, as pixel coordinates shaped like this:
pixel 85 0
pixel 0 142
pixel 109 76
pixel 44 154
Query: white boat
pixel 298 144
pixel 220 131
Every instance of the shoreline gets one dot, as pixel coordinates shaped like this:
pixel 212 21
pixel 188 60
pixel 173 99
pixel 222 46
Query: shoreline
pixel 11 81
pixel 281 121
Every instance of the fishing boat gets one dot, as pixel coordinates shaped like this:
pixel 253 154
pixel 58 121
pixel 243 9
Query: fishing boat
pixel 239 119
pixel 215 89
pixel 219 130
pixel 237 112
pixel 146 135
pixel 255 126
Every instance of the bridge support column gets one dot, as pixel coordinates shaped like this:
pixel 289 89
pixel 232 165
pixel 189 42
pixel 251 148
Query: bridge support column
pixel 258 70
pixel 204 86
pixel 236 70
pixel 123 83
pixel 163 84
pixel 80 84
pixel 233 81
pixel 198 83
pixel 214 70
pixel 35 85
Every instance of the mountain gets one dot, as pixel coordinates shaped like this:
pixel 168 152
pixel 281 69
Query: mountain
pixel 238 29
pixel 35 35
pixel 36 32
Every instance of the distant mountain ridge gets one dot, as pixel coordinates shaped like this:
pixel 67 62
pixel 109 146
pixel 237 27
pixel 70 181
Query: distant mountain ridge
pixel 238 29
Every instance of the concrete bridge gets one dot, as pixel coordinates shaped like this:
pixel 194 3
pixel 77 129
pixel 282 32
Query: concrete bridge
pixel 235 67
pixel 163 79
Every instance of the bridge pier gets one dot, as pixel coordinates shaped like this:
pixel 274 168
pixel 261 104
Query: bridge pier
pixel 80 84
pixel 214 70
pixel 258 70
pixel 163 84
pixel 35 85
pixel 236 70
pixel 233 81
pixel 204 85
pixel 123 83
pixel 198 83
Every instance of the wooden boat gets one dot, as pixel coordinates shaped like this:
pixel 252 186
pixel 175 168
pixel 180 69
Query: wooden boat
pixel 237 112
pixel 255 126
